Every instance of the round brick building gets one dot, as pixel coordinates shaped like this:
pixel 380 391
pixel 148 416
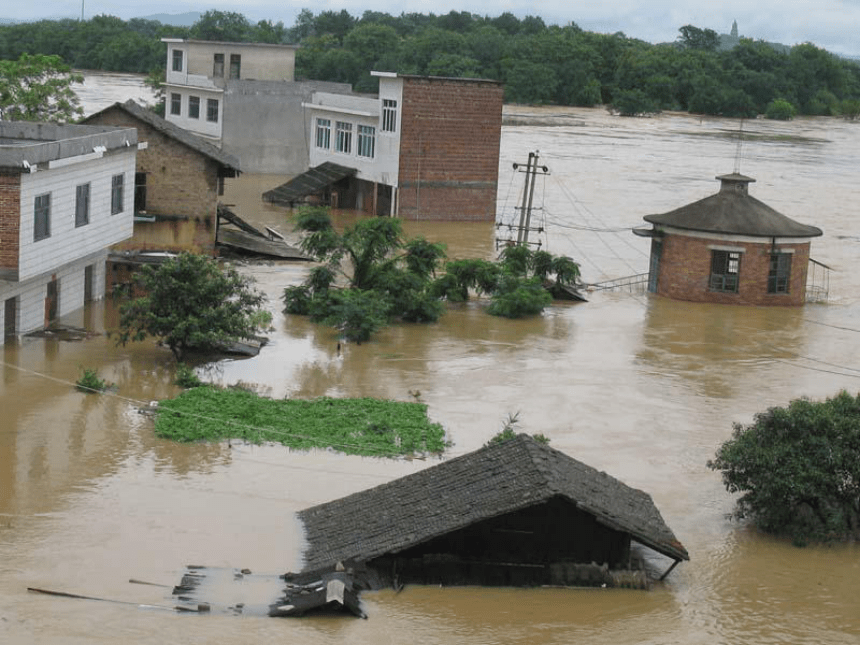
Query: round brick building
pixel 729 248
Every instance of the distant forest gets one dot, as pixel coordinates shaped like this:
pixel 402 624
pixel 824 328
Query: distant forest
pixel 539 64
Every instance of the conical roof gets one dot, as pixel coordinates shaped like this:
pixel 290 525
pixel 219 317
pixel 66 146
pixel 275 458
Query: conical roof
pixel 733 211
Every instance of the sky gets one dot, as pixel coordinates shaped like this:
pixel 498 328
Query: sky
pixel 831 24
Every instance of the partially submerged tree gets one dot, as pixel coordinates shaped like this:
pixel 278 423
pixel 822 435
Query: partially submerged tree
pixel 798 469
pixel 192 303
pixel 38 88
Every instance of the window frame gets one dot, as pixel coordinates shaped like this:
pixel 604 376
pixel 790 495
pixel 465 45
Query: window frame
pixel 41 217
pixel 725 271
pixel 779 274
pixel 212 108
pixel 82 204
pixel 117 194
pixel 323 133
pixel 194 107
pixel 389 115
pixel 235 66
pixel 175 104
pixel 218 65
pixel 343 137
pixel 178 60
pixel 140 192
pixel 366 141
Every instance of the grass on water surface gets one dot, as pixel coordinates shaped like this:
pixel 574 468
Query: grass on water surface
pixel 362 426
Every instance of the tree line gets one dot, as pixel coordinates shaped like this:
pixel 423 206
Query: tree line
pixel 538 63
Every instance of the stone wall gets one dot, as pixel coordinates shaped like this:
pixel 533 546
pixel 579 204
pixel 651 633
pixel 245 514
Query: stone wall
pixel 10 223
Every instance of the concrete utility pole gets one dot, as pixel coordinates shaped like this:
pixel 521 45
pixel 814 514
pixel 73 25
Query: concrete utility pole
pixel 531 171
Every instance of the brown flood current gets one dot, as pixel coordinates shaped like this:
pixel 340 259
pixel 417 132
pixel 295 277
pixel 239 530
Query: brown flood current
pixel 641 387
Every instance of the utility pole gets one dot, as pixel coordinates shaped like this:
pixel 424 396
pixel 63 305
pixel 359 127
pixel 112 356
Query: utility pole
pixel 531 171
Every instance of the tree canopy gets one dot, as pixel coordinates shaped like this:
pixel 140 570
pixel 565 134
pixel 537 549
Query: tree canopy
pixel 191 303
pixel 797 469
pixel 38 88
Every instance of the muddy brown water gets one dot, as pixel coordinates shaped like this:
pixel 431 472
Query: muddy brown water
pixel 641 387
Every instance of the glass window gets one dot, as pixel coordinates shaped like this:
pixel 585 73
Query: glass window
pixel 116 194
pixel 175 103
pixel 42 217
pixel 82 205
pixel 366 141
pixel 389 115
pixel 212 110
pixel 218 66
pixel 779 274
pixel 725 268
pixel 140 191
pixel 193 107
pixel 177 60
pixel 235 65
pixel 343 136
pixel 324 133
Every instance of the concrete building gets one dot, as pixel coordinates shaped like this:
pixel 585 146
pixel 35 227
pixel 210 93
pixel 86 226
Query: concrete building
pixel 424 148
pixel 244 99
pixel 729 248
pixel 66 195
pixel 178 181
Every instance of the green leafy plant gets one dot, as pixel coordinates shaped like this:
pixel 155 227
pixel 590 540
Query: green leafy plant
pixel 361 426
pixel 797 469
pixel 780 110
pixel 186 376
pixel 90 382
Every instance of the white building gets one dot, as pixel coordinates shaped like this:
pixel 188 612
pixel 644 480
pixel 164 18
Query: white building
pixel 66 195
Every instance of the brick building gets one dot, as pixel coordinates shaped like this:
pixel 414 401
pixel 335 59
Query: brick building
pixel 729 248
pixel 178 180
pixel 65 197
pixel 424 148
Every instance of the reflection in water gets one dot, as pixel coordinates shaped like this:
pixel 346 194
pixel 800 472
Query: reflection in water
pixel 641 387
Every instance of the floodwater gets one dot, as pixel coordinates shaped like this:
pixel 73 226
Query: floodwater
pixel 639 386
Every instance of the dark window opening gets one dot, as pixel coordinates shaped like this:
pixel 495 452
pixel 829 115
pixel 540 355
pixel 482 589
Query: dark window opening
pixel 212 110
pixel 177 60
pixel 116 194
pixel 779 274
pixel 140 192
pixel 42 217
pixel 725 268
pixel 193 107
pixel 235 65
pixel 175 103
pixel 218 66
pixel 82 205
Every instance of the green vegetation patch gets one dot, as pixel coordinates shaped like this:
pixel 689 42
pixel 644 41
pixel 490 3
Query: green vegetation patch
pixel 361 426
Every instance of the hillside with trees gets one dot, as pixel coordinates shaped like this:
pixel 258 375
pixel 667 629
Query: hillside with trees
pixel 538 63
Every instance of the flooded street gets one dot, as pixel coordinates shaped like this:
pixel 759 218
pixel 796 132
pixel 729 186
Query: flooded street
pixel 641 387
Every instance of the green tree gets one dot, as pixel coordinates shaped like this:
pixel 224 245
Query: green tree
pixel 797 469
pixel 781 110
pixel 38 88
pixel 192 303
pixel 694 38
pixel 227 26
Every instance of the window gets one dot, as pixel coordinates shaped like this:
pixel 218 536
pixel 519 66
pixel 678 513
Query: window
pixel 389 115
pixel 177 60
pixel 175 103
pixel 366 141
pixel 725 266
pixel 140 192
pixel 235 65
pixel 343 134
pixel 779 275
pixel 116 194
pixel 193 107
pixel 82 205
pixel 42 217
pixel 324 133
pixel 212 110
pixel 218 66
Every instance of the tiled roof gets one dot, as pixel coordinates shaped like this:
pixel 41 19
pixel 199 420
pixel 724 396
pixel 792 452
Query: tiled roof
pixel 309 182
pixel 173 131
pixel 489 482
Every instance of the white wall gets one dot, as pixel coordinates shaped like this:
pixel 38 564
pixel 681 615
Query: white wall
pixel 200 126
pixel 67 243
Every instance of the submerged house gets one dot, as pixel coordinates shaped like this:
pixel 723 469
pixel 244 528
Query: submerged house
pixel 424 148
pixel 65 198
pixel 178 181
pixel 729 248
pixel 516 513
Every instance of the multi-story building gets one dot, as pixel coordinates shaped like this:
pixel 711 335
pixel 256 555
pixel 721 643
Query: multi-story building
pixel 66 195
pixel 244 99
pixel 424 148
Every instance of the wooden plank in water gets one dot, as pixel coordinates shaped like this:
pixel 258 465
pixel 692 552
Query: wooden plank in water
pixel 259 245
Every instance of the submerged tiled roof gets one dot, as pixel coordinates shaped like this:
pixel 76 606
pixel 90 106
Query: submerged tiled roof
pixel 173 131
pixel 310 182
pixel 733 212
pixel 489 482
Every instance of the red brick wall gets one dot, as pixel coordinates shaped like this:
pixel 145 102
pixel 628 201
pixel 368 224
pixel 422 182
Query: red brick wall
pixel 685 269
pixel 179 182
pixel 449 149
pixel 10 220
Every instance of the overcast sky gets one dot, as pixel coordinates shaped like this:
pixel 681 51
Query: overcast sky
pixel 831 24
